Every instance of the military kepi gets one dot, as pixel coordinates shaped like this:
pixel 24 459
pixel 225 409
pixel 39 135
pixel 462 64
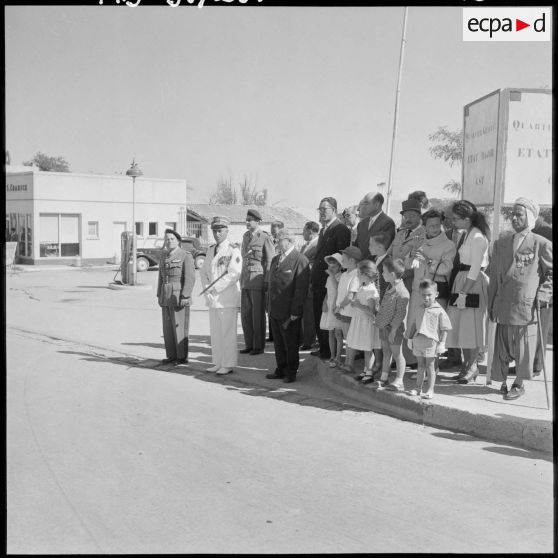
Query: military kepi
pixel 410 205
pixel 171 231
pixel 253 214
pixel 220 222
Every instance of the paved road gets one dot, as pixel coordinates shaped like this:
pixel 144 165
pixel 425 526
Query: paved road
pixel 107 458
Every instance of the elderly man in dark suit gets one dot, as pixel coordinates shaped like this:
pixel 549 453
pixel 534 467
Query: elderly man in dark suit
pixel 373 221
pixel 334 237
pixel 520 282
pixel 289 277
pixel 257 252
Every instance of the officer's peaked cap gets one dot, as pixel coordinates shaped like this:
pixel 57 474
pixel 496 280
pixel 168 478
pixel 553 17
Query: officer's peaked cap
pixel 253 214
pixel 219 222
pixel 171 231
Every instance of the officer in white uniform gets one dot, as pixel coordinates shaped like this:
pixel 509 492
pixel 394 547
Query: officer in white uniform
pixel 223 264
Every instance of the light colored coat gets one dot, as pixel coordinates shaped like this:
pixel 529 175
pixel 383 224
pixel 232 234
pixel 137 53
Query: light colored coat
pixel 518 280
pixel 227 288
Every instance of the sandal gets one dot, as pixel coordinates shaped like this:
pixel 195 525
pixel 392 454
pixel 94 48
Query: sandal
pixel 395 387
pixel 380 384
pixel 366 379
pixel 360 376
pixel 413 392
pixel 333 363
pixel 427 395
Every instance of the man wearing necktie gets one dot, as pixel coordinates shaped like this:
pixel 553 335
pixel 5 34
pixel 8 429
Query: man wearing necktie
pixel 310 234
pixel 257 252
pixel 520 283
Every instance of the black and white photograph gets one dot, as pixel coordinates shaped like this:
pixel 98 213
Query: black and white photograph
pixel 278 278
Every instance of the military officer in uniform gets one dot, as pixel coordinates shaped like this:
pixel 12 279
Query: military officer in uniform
pixel 174 291
pixel 257 252
pixel 220 275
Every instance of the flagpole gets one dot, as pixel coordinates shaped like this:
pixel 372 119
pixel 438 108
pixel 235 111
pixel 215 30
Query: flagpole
pixel 401 53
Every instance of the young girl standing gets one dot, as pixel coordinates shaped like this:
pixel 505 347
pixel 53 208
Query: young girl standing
pixel 348 286
pixel 328 321
pixel 427 336
pixel 363 334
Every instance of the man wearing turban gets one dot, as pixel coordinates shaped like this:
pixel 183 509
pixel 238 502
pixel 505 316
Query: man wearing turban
pixel 520 283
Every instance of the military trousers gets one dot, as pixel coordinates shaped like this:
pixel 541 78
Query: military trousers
pixel 518 343
pixel 286 343
pixel 176 323
pixel 222 327
pixel 252 316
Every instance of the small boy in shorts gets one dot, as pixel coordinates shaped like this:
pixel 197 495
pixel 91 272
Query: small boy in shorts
pixel 390 320
pixel 427 337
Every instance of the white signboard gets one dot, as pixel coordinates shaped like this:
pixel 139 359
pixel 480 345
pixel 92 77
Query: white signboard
pixel 528 150
pixel 480 141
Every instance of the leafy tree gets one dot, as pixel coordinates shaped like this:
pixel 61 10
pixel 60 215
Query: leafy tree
pixel 247 194
pixel 47 163
pixel 448 146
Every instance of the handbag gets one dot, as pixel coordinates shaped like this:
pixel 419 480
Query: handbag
pixel 471 300
pixel 443 287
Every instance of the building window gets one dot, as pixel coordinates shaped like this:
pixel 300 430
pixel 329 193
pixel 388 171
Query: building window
pixel 170 225
pixel 93 230
pixel 58 235
pixel 153 229
pixel 139 228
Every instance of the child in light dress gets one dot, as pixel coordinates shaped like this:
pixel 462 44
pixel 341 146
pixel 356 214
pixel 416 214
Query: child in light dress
pixel 328 321
pixel 363 334
pixel 427 337
pixel 348 286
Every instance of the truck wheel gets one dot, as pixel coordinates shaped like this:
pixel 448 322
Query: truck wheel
pixel 142 264
pixel 199 261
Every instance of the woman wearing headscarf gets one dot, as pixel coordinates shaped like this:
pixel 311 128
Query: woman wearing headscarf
pixel 468 313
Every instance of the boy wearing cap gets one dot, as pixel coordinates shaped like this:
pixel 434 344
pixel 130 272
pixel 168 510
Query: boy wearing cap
pixel 257 252
pixel 220 275
pixel 520 283
pixel 288 286
pixel 174 290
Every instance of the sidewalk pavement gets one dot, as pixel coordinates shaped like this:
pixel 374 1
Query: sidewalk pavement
pixel 478 410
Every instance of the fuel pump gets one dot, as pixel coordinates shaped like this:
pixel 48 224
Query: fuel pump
pixel 126 240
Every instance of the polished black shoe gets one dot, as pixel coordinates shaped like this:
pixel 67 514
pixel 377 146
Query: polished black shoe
pixel 256 352
pixel 515 392
pixel 305 347
pixel 274 376
pixel 181 361
pixel 245 351
pixel 504 388
pixel 316 353
pixel 288 380
pixel 168 360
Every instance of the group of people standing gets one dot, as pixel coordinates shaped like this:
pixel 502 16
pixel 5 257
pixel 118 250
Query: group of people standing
pixel 406 294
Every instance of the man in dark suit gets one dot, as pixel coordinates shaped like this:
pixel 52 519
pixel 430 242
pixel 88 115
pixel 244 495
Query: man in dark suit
pixel 334 237
pixel 373 221
pixel 289 277
pixel 310 234
pixel 257 252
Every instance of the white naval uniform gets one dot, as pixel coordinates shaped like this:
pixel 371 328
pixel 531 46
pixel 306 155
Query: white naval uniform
pixel 223 307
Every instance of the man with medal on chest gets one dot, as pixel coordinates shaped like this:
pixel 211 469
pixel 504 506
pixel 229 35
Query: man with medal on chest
pixel 220 277
pixel 520 285
pixel 174 290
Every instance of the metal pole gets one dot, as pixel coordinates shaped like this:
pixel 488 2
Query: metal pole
pixel 401 53
pixel 134 266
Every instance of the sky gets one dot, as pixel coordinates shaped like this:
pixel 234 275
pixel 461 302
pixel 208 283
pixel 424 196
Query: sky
pixel 298 100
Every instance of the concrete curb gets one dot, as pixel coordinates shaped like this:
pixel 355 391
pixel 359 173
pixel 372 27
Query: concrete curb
pixel 517 431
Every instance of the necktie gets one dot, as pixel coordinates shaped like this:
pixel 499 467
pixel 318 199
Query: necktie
pixel 216 248
pixel 407 234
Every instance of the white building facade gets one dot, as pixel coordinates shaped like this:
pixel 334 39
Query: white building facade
pixel 57 216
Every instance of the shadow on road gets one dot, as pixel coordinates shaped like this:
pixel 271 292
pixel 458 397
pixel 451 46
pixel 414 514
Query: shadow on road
pixel 502 449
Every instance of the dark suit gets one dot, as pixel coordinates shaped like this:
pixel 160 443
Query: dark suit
pixel 308 325
pixel 288 287
pixel 382 224
pixel 334 239
pixel 257 252
pixel 177 276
